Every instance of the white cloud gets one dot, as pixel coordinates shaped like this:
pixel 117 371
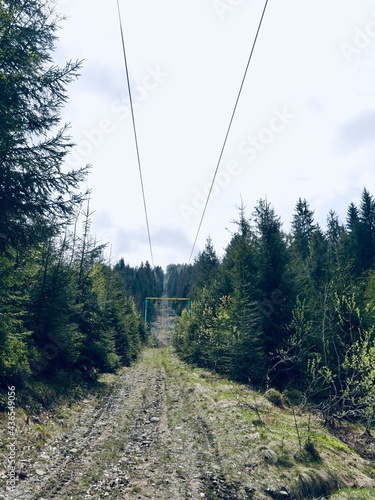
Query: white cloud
pixel 357 133
pixel 181 124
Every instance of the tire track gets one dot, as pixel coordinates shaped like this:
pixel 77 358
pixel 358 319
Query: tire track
pixel 194 455
pixel 162 432
pixel 66 451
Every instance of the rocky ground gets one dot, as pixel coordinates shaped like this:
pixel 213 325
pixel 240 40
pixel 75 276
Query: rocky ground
pixel 165 431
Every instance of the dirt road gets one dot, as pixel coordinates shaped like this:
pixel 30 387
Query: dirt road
pixel 143 442
pixel 165 431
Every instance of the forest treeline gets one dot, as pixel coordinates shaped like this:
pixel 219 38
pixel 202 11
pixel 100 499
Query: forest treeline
pixel 63 308
pixel 289 311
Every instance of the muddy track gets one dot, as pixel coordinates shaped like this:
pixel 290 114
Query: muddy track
pixel 143 442
pixel 164 431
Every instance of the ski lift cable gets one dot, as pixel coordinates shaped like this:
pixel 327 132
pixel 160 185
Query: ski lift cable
pixel 229 128
pixel 135 132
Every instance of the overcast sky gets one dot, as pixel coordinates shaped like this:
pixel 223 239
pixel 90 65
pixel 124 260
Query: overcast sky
pixel 305 124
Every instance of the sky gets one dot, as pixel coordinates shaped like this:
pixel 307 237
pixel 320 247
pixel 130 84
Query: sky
pixel 304 126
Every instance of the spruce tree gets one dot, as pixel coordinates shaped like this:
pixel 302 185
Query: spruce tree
pixel 274 290
pixel 303 227
pixel 207 266
pixel 35 189
pixel 367 229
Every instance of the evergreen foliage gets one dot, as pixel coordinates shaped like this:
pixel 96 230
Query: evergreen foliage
pixel 36 191
pixel 63 309
pixel 289 312
pixel 63 313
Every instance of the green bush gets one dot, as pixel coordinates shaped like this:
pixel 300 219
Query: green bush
pixel 275 397
pixel 293 397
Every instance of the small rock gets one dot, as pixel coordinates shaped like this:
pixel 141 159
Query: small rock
pixel 277 495
pixel 155 419
pixel 73 450
pixel 40 472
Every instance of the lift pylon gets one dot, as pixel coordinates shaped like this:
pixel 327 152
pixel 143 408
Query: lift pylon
pixel 147 299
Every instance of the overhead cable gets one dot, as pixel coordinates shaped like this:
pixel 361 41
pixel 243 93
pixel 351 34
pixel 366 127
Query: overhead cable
pixel 229 128
pixel 135 132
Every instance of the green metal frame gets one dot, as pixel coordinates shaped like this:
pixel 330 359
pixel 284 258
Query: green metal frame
pixel 188 300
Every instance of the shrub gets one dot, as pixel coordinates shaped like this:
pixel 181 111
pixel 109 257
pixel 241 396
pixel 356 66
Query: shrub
pixel 293 397
pixel 275 397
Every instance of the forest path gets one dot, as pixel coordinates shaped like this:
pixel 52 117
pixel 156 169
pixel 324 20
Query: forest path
pixel 167 431
pixel 145 441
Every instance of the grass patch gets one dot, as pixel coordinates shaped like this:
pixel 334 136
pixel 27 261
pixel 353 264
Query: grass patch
pixel 327 441
pixel 270 437
pixel 354 494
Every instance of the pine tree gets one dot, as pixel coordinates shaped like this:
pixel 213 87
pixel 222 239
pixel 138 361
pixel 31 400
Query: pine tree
pixel 303 227
pixel 240 256
pixel 336 237
pixel 35 191
pixel 206 266
pixel 317 261
pixel 354 245
pixel 16 354
pixel 274 289
pixel 367 230
pixel 240 265
pixel 334 228
pixel 248 360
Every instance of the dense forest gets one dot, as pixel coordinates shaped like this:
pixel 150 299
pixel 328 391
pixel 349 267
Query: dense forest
pixel 64 309
pixel 288 312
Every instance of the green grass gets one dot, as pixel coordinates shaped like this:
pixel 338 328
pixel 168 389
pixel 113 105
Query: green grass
pixel 329 442
pixel 354 494
pixel 255 434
